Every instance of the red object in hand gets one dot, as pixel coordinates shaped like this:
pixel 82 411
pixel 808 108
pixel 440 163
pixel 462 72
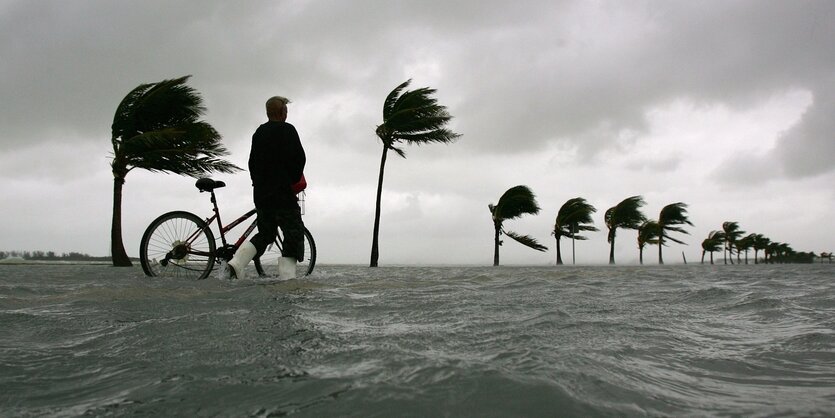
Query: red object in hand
pixel 300 185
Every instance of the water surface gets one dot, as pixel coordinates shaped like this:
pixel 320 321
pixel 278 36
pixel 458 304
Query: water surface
pixel 418 341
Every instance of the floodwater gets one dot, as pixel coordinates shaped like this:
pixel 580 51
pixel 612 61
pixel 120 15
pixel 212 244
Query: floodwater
pixel 694 340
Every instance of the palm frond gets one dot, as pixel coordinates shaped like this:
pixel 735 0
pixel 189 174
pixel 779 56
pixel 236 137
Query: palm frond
pixel 156 128
pixel 391 99
pixel 154 106
pixel 648 233
pixel 626 214
pixel 674 214
pixel 414 117
pixel 398 150
pixel 515 202
pixel 574 216
pixel 526 241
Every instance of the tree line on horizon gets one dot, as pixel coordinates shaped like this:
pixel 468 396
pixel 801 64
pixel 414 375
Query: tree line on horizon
pixel 38 255
pixel 575 217
pixel 157 127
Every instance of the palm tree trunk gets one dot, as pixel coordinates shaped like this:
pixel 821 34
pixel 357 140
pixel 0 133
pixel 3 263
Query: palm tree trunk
pixel 375 241
pixel 559 256
pixel 660 246
pixel 703 256
pixel 641 255
pixel 612 251
pixel 496 243
pixel 756 251
pixel 573 253
pixel 711 257
pixel 117 247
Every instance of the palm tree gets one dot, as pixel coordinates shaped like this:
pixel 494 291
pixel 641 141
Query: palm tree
pixel 770 251
pixel 574 216
pixel 732 235
pixel 669 220
pixel 784 251
pixel 627 215
pixel 712 243
pixel 413 117
pixel 514 203
pixel 156 128
pixel 745 244
pixel 760 243
pixel 648 233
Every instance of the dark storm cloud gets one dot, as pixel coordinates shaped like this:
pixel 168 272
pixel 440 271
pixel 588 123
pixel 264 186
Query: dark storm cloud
pixel 517 77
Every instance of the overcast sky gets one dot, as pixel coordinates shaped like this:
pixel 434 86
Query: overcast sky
pixel 724 105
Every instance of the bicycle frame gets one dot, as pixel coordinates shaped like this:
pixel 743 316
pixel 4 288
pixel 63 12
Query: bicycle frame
pixel 224 229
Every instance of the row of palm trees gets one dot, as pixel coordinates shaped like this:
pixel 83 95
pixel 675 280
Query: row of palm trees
pixel 731 239
pixel 575 217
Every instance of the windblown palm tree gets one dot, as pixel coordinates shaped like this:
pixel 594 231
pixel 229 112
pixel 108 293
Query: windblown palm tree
pixel 732 235
pixel 573 217
pixel 671 219
pixel 626 215
pixel 744 244
pixel 412 117
pixel 771 251
pixel 157 128
pixel 648 233
pixel 514 203
pixel 760 243
pixel 714 242
pixel 784 252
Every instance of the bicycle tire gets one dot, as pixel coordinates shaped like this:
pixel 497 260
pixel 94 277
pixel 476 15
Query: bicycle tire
pixel 165 252
pixel 273 252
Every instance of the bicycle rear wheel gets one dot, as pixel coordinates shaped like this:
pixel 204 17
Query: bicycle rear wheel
pixel 178 245
pixel 267 264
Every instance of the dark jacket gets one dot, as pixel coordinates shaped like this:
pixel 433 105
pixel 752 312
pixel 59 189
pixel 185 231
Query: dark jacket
pixel 276 162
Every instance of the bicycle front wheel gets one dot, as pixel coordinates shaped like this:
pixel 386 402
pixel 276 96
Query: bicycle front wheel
pixel 178 245
pixel 267 264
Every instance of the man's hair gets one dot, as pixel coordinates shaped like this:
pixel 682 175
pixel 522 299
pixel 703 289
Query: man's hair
pixel 276 100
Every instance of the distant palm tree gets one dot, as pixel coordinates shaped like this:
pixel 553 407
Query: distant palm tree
pixel 771 251
pixel 784 251
pixel 156 128
pixel 760 243
pixel 413 117
pixel 574 216
pixel 669 220
pixel 827 256
pixel 514 203
pixel 732 234
pixel 744 244
pixel 648 233
pixel 626 215
pixel 714 242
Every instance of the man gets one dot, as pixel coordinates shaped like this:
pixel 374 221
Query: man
pixel 276 163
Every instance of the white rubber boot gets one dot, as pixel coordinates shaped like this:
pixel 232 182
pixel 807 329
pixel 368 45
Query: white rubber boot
pixel 287 268
pixel 242 257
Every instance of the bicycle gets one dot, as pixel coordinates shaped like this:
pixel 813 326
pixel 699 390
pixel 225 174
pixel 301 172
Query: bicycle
pixel 181 244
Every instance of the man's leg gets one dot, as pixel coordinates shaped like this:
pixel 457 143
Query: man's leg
pixel 255 247
pixel 267 228
pixel 289 219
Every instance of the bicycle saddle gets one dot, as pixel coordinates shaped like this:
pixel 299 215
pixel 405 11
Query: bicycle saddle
pixel 207 185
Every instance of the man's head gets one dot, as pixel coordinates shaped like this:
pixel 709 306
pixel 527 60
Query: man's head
pixel 277 108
